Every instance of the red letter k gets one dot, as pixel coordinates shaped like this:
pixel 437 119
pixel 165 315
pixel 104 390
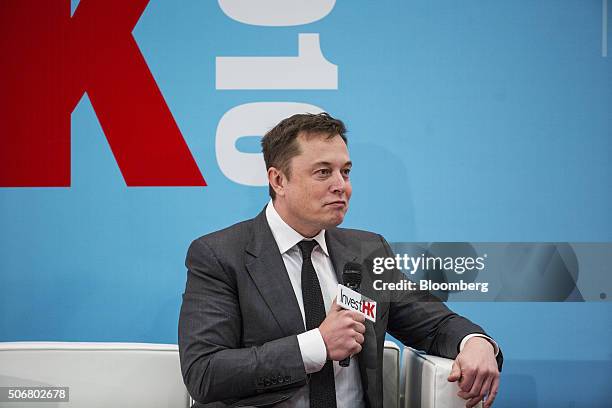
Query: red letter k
pixel 49 60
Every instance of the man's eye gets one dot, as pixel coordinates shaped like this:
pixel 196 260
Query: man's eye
pixel 324 172
pixel 346 172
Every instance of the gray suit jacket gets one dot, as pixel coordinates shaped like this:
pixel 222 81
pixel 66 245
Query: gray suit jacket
pixel 240 319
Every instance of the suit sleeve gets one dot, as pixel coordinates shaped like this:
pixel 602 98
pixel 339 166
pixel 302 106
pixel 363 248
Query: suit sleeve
pixel 420 320
pixel 213 364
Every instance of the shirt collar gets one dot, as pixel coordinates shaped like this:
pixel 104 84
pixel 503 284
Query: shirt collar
pixel 285 236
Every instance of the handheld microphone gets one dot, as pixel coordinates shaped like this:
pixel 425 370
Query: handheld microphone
pixel 351 278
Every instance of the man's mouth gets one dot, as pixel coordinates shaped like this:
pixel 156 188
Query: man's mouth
pixel 339 203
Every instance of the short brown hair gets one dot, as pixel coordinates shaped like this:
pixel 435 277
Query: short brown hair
pixel 280 145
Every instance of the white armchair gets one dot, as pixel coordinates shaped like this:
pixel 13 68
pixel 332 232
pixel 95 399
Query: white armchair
pixel 98 374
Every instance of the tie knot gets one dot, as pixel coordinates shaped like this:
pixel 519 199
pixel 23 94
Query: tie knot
pixel 306 247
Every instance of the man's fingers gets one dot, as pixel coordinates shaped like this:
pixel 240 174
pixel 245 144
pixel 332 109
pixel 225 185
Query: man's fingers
pixel 358 327
pixel 358 317
pixel 474 390
pixel 492 392
pixel 335 307
pixel 485 391
pixel 479 381
pixel 455 372
pixel 468 376
pixel 476 394
pixel 479 390
pixel 483 386
pixel 472 402
pixel 486 387
pixel 354 347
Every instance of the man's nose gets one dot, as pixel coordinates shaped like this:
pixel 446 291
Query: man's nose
pixel 338 183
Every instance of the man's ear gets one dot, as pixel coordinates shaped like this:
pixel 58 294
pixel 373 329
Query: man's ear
pixel 277 180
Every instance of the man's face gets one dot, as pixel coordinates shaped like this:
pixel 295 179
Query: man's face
pixel 317 193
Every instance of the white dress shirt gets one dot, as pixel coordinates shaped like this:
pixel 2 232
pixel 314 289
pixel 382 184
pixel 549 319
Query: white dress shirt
pixel 349 392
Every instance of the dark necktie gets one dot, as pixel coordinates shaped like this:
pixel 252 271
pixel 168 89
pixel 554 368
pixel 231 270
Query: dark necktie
pixel 322 385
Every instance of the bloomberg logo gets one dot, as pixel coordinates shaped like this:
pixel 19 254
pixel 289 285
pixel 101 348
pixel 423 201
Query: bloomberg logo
pixel 53 59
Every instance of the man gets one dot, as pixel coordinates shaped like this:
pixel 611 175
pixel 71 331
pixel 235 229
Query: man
pixel 253 328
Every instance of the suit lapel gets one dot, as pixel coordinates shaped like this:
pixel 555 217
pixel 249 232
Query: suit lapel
pixel 267 269
pixel 339 253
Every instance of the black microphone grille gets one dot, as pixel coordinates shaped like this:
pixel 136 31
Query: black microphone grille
pixel 352 274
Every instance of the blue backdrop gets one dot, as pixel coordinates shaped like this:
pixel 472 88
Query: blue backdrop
pixel 468 121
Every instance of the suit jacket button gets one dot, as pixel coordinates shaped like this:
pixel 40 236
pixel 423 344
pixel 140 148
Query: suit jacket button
pixel 287 378
pixel 267 382
pixel 280 379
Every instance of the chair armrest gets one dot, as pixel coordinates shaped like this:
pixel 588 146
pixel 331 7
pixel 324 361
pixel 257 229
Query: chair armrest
pixel 424 384
pixel 391 374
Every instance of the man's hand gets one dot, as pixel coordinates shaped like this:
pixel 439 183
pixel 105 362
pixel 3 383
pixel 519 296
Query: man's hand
pixel 342 332
pixel 476 370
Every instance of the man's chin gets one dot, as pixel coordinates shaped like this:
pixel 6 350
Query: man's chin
pixel 335 220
